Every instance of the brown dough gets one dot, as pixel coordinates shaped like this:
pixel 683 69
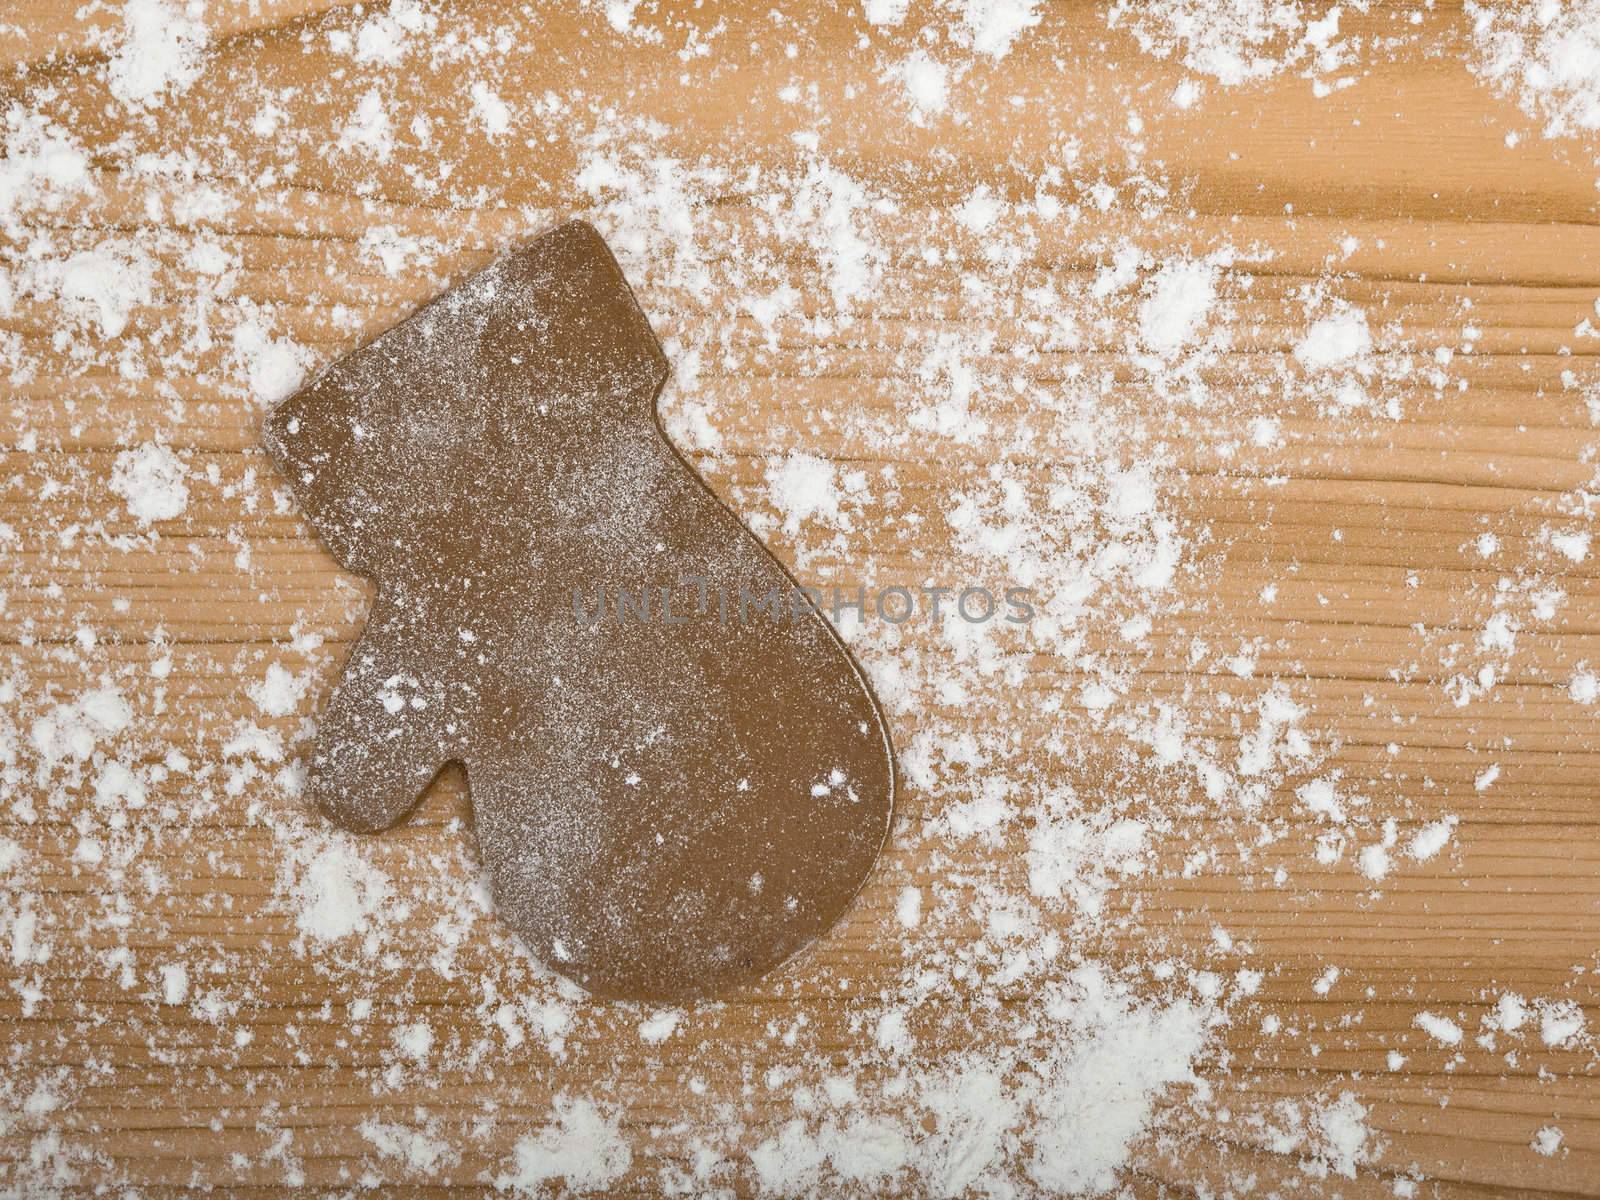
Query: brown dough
pixel 667 807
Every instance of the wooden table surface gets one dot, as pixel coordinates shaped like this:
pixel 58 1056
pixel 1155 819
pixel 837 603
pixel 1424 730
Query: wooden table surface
pixel 1392 595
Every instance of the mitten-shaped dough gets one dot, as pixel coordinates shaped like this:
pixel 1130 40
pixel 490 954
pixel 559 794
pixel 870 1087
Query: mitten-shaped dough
pixel 679 776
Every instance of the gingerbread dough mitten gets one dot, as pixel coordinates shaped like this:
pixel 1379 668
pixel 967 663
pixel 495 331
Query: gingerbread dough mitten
pixel 676 783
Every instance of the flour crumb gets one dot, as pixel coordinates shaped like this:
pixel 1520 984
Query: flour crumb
pixel 1334 340
pixel 892 1034
pixel 885 12
pixel 581 1148
pixel 279 693
pixel 339 894
pixel 1440 1029
pixel 1545 56
pixel 1547 1141
pixel 174 983
pixel 660 1026
pixel 993 26
pixel 492 111
pixel 414 1040
pixel 803 487
pixel 908 909
pixel 1181 294
pixel 1342 1135
pixel 150 479
pixel 1374 862
pixel 1561 1023
pixel 273 367
pixel 161 52
pixel 1431 839
pixel 926 84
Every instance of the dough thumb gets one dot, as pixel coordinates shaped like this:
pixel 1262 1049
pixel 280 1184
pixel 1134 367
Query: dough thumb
pixel 378 744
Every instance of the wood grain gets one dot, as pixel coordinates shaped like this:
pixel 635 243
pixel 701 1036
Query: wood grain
pixel 1364 524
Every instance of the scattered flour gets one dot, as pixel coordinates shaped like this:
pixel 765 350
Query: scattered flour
pixel 1078 1111
pixel 1510 1013
pixel 1080 858
pixel 992 27
pixel 42 169
pixel 1440 1029
pixel 1431 839
pixel 1338 339
pixel 1235 41
pixel 1545 55
pixel 150 480
pixel 367 130
pixel 1547 1140
pixel 803 487
pixel 580 1148
pixel 100 287
pixel 885 12
pixel 339 893
pixel 414 1040
pixel 273 367
pixel 491 110
pixel 416 1150
pixel 1561 1023
pixel 174 983
pixel 278 694
pixel 908 908
pixel 927 85
pixel 73 732
pixel 1341 1136
pixel 161 51
pixel 1099 1089
pixel 1066 1070
pixel 660 1027
pixel 1181 295
pixel 1374 862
